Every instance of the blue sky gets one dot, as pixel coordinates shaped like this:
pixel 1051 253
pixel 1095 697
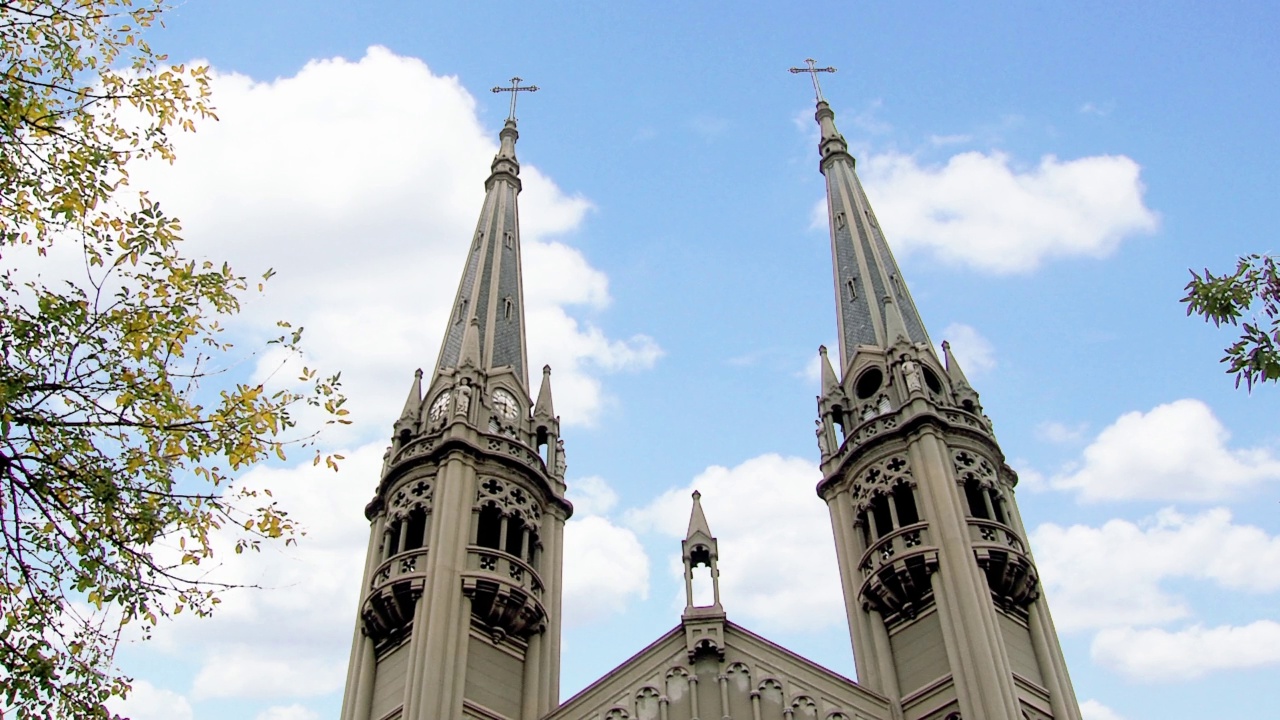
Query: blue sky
pixel 1046 174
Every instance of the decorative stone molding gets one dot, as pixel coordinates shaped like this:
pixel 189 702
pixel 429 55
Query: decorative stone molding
pixel 508 497
pixel 972 465
pixel 1003 558
pixel 417 493
pixel 880 479
pixel 896 570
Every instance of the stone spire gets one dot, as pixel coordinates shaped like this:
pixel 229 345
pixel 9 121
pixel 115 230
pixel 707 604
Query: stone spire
pixel 873 303
pixel 698 529
pixel 544 407
pixel 490 299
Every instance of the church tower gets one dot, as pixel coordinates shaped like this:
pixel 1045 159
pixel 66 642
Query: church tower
pixel 942 595
pixel 459 613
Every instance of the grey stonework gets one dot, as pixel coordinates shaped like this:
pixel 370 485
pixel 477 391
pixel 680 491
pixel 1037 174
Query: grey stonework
pixel 460 602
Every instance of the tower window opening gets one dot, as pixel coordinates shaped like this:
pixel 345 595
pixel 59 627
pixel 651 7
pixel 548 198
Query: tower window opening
pixel 489 527
pixel 883 406
pixel 531 553
pixel 700 571
pixel 904 500
pixel 997 507
pixel 977 504
pixel 868 383
pixel 393 539
pixel 837 414
pixel 515 536
pixel 931 380
pixel 880 513
pixel 541 443
pixel 417 529
pixel 968 406
pixel 404 437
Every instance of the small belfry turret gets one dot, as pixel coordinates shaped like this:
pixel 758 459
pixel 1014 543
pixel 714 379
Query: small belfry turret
pixel 943 598
pixel 703 623
pixel 460 603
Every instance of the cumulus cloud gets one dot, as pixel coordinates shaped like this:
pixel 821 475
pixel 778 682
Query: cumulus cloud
pixel 249 670
pixel 287 712
pixel 764 564
pixel 280 640
pixel 981 211
pixel 1061 433
pixel 604 567
pixel 1094 710
pixel 360 183
pixel 591 496
pixel 1177 451
pixel 973 351
pixel 148 702
pixel 1157 655
pixel 1117 575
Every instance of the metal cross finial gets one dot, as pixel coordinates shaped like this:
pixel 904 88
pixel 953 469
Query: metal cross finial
pixel 813 73
pixel 515 88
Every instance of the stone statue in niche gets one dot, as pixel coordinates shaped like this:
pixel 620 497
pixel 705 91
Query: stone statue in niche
pixel 824 443
pixel 911 373
pixel 561 464
pixel 463 403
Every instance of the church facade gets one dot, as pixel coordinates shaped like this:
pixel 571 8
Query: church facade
pixel 460 606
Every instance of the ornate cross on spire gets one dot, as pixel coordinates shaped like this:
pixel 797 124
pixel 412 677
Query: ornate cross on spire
pixel 514 89
pixel 813 73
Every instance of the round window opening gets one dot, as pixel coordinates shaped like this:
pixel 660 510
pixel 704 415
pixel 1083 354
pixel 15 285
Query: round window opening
pixel 931 379
pixel 869 383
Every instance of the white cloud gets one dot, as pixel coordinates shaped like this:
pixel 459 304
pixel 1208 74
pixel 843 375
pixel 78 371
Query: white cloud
pixel 1061 433
pixel 255 671
pixel 764 563
pixel 360 183
pixel 279 640
pixel 979 211
pixel 1157 655
pixel 289 712
pixel 1094 710
pixel 973 351
pixel 148 702
pixel 604 567
pixel 1092 108
pixel 1114 575
pixel 1177 451
pixel 591 496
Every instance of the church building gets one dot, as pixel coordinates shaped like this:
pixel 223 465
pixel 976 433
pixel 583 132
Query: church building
pixel 460 603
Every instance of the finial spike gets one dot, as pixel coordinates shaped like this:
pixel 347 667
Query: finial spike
pixel 829 382
pixel 413 403
pixel 697 519
pixel 544 408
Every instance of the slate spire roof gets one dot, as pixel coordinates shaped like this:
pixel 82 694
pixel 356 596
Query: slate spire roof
pixel 874 305
pixel 489 305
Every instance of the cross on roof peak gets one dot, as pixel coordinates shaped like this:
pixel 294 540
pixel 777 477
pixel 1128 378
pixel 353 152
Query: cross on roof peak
pixel 515 89
pixel 813 71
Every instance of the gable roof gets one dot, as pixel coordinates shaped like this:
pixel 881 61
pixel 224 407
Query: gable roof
pixel 751 664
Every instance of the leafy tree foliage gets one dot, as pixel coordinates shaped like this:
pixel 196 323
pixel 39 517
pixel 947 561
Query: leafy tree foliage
pixel 119 438
pixel 1255 285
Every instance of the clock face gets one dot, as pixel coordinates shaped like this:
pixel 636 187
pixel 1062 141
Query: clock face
pixel 439 406
pixel 505 405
